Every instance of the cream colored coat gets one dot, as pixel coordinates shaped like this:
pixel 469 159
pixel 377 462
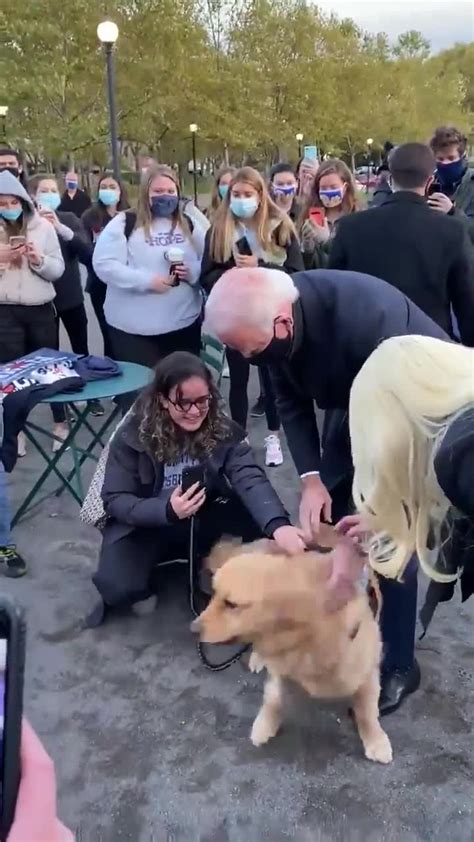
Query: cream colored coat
pixel 23 284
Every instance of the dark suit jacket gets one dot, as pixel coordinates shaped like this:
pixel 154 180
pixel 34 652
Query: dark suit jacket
pixel 340 318
pixel 69 292
pixel 425 254
pixel 77 205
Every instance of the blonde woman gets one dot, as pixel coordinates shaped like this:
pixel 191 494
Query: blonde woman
pixel 249 230
pixel 412 439
pixel 150 260
pixel 220 188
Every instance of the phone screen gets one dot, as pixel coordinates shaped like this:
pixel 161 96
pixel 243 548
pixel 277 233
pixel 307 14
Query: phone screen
pixel 317 215
pixel 311 153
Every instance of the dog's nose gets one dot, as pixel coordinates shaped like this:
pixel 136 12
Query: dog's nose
pixel 196 625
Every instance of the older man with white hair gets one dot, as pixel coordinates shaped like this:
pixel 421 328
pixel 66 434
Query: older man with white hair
pixel 315 330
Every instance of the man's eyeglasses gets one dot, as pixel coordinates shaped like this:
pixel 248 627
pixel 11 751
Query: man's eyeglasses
pixel 185 405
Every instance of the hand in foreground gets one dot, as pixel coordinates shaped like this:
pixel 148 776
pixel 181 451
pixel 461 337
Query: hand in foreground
pixel 181 271
pixel 36 818
pixel 6 254
pixel 51 217
pixel 315 503
pixel 33 255
pixel 187 503
pixel 162 283
pixel 354 527
pixel 347 565
pixel 440 202
pixel 246 261
pixel 289 540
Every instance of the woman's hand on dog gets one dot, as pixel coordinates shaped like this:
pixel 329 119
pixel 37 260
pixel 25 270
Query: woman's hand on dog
pixel 354 527
pixel 186 503
pixel 288 539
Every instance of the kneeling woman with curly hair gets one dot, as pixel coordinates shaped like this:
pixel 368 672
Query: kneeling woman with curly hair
pixel 177 425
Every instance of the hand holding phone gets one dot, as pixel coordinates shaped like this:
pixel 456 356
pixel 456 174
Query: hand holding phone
pixel 317 216
pixel 187 503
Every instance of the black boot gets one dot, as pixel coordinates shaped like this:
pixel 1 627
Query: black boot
pixel 396 685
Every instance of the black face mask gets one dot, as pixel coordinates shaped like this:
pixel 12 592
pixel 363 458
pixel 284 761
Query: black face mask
pixel 276 351
pixel 14 170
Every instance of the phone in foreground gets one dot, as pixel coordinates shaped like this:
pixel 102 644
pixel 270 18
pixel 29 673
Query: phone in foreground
pixel 317 216
pixel 192 474
pixel 12 664
pixel 243 247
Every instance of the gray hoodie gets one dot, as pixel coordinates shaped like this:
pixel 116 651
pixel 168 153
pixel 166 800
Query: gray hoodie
pixel 26 284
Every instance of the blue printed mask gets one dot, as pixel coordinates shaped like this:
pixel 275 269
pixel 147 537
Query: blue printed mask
pixel 449 174
pixel 108 196
pixel 244 208
pixel 50 201
pixel 331 198
pixel 162 206
pixel 10 214
pixel 290 190
pixel 223 190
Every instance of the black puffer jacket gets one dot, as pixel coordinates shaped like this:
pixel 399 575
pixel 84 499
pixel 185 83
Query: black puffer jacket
pixel 133 482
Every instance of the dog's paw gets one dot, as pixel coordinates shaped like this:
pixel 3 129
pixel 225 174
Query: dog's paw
pixel 379 749
pixel 255 663
pixel 264 728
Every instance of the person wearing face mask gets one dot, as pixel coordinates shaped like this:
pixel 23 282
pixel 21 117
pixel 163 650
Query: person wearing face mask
pixel 250 230
pixel 454 178
pixel 150 261
pixel 316 329
pixel 10 161
pixel 220 188
pixel 74 200
pixel 284 188
pixel 30 263
pixel 111 199
pixel 333 196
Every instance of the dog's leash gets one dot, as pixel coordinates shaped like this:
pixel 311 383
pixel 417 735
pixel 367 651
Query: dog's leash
pixel 200 646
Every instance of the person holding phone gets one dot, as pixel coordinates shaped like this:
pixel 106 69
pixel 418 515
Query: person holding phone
pixel 179 456
pixel 30 263
pixel 220 188
pixel 250 230
pixel 150 261
pixel 333 196
pixel 111 200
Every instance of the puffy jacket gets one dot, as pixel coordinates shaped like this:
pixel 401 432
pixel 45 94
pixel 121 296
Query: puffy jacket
pixel 23 284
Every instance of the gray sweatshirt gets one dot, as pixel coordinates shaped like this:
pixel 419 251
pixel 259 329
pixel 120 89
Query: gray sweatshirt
pixel 128 268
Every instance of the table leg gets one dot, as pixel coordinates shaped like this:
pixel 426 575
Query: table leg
pixel 96 439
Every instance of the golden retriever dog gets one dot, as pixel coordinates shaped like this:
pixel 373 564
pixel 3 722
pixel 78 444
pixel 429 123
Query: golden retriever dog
pixel 282 606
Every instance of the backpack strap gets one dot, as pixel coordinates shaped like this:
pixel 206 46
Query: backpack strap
pixel 130 222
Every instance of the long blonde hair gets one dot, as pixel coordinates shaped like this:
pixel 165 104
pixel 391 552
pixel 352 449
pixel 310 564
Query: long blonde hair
pixel 401 404
pixel 144 217
pixel 273 226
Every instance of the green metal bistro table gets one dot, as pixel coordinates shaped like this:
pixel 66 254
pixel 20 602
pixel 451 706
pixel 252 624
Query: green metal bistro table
pixel 133 378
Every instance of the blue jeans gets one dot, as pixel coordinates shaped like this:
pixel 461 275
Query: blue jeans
pixel 5 512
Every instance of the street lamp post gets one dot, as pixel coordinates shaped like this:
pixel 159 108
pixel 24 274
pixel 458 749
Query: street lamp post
pixel 369 143
pixel 107 33
pixel 193 129
pixel 3 118
pixel 299 139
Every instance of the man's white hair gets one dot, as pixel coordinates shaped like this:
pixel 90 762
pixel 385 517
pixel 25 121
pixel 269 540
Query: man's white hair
pixel 250 297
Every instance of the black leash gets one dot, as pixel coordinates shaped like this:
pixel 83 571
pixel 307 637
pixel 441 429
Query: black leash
pixel 200 646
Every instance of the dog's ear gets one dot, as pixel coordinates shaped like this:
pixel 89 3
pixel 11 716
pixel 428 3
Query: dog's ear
pixel 221 553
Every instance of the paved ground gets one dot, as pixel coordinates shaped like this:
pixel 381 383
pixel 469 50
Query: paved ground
pixel 150 746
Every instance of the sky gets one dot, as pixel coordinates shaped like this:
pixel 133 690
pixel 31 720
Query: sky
pixel 442 22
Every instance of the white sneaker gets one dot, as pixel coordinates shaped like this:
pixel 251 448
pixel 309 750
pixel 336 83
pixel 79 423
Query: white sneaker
pixel 273 453
pixel 21 444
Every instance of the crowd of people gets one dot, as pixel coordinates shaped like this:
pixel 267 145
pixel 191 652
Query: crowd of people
pixel 367 314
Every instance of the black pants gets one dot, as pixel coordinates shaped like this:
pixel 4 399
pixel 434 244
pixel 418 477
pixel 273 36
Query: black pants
pixel 126 564
pixel 97 291
pixel 75 324
pixel 148 350
pixel 239 370
pixel 24 329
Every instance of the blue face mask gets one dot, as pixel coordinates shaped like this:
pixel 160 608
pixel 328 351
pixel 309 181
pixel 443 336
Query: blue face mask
pixel 331 198
pixel 449 174
pixel 223 190
pixel 108 196
pixel 10 214
pixel 284 191
pixel 50 201
pixel 71 185
pixel 244 208
pixel 162 206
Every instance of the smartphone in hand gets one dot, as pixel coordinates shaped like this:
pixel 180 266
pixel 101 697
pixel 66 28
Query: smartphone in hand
pixel 191 475
pixel 12 664
pixel 243 247
pixel 317 216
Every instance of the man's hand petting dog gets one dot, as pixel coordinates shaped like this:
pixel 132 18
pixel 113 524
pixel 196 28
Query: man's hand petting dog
pixel 186 503
pixel 289 539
